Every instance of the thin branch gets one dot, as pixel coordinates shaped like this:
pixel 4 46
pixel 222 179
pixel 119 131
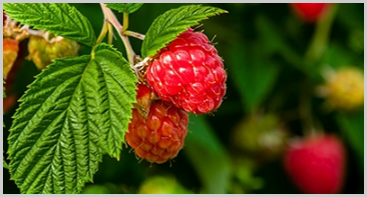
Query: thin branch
pixel 115 23
pixel 134 34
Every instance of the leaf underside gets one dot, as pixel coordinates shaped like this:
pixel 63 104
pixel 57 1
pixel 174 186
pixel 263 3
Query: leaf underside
pixel 76 110
pixel 166 27
pixel 59 18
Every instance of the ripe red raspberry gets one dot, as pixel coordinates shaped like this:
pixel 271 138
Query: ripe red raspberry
pixel 189 73
pixel 310 12
pixel 316 165
pixel 159 136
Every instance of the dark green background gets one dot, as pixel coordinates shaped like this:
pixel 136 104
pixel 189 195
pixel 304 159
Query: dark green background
pixel 263 47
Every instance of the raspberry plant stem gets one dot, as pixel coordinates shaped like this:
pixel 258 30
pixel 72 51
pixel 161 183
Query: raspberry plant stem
pixel 134 34
pixel 310 126
pixel 321 35
pixel 110 33
pixel 111 18
pixel 103 33
pixel 125 22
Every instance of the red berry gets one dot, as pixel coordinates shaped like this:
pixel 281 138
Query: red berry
pixel 159 136
pixel 316 165
pixel 310 12
pixel 9 102
pixel 4 17
pixel 189 73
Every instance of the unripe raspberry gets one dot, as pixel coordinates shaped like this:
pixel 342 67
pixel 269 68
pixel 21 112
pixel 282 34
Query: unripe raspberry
pixel 189 73
pixel 159 136
pixel 10 53
pixel 162 185
pixel 260 136
pixel 43 52
pixel 310 12
pixel 344 89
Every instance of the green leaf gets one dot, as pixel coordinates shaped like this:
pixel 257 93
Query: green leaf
pixel 254 76
pixel 58 18
pixel 170 24
pixel 76 110
pixel 207 156
pixel 5 165
pixel 352 129
pixel 274 42
pixel 4 96
pixel 125 7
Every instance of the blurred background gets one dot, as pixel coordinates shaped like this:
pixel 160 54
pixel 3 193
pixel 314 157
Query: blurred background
pixel 281 85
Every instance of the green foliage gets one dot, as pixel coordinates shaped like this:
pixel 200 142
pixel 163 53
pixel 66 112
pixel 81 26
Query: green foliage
pixel 169 25
pixel 125 7
pixel 58 18
pixel 274 42
pixel 208 156
pixel 352 129
pixel 254 76
pixel 5 165
pixel 75 110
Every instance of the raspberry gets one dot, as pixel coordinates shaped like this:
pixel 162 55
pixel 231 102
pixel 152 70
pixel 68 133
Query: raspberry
pixel 9 102
pixel 260 134
pixel 189 73
pixel 162 185
pixel 10 54
pixel 310 12
pixel 316 165
pixel 159 136
pixel 42 52
pixel 345 88
pixel 4 17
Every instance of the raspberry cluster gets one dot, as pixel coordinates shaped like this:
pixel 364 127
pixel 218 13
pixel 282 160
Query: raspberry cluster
pixel 186 76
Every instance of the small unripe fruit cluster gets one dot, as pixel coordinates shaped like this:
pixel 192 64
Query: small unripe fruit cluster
pixel 260 136
pixel 186 76
pixel 344 88
pixel 42 52
pixel 162 185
